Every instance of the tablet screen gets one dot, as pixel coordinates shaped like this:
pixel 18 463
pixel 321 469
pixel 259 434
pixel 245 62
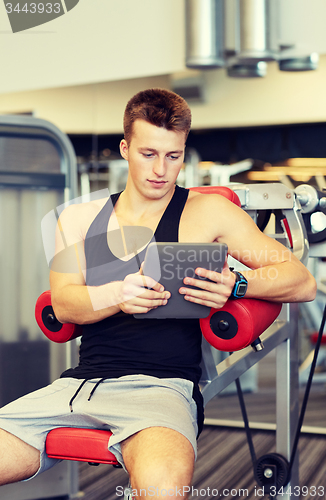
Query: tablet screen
pixel 170 263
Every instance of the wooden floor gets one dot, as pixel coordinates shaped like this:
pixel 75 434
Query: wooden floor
pixel 224 461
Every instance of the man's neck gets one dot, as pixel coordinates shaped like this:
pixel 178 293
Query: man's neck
pixel 137 207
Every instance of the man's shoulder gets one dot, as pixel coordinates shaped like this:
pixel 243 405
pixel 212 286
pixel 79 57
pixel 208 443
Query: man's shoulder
pixel 90 207
pixel 205 217
pixel 79 216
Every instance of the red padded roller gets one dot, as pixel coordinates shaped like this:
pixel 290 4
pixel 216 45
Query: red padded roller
pixel 239 323
pixel 83 445
pixel 48 323
pixel 314 338
pixel 222 190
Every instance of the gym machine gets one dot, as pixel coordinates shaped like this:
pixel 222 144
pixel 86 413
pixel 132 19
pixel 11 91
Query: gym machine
pixel 278 209
pixel 290 213
pixel 37 173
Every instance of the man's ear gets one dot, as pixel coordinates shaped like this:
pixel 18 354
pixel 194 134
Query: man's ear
pixel 124 149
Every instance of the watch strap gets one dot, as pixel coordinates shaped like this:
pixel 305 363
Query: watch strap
pixel 240 286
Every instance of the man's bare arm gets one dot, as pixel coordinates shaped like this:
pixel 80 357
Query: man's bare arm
pixel 75 302
pixel 275 273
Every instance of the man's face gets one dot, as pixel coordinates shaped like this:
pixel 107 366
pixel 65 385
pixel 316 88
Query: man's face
pixel 155 157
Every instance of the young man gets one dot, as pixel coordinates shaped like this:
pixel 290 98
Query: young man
pixel 139 378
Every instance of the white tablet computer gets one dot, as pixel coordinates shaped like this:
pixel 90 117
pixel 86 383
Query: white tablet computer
pixel 169 264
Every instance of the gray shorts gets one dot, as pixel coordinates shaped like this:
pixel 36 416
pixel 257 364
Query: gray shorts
pixel 124 406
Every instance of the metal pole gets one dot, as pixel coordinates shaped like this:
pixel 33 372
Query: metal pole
pixel 287 395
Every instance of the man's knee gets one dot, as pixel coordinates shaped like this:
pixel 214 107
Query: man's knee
pixel 160 463
pixel 162 480
pixel 18 460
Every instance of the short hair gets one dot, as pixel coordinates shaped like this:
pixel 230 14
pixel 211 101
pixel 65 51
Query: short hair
pixel 159 107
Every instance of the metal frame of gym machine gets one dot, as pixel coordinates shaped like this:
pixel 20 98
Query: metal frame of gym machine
pixel 33 190
pixel 282 335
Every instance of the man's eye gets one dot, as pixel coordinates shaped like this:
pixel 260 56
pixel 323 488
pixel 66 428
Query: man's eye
pixel 174 157
pixel 148 155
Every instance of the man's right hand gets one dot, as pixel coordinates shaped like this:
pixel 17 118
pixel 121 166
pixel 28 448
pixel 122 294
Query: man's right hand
pixel 140 294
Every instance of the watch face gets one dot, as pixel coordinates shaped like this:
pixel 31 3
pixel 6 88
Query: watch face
pixel 242 288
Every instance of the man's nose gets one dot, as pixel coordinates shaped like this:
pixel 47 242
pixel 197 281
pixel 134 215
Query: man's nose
pixel 159 166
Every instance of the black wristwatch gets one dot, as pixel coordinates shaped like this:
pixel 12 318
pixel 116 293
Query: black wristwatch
pixel 240 285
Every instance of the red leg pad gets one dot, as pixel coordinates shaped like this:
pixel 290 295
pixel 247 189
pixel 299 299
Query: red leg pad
pixel 238 323
pixel 222 190
pixel 83 445
pixel 314 338
pixel 48 323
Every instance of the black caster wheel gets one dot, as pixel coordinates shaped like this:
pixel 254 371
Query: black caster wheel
pixel 272 470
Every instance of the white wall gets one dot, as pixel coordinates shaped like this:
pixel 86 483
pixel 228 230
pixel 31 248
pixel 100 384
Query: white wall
pixel 98 40
pixel 95 108
pixel 302 22
pixel 79 70
pixel 278 98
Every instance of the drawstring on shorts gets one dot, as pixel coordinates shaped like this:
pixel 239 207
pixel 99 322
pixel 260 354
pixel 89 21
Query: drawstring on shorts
pixel 79 389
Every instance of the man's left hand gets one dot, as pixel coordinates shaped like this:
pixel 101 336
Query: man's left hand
pixel 213 293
